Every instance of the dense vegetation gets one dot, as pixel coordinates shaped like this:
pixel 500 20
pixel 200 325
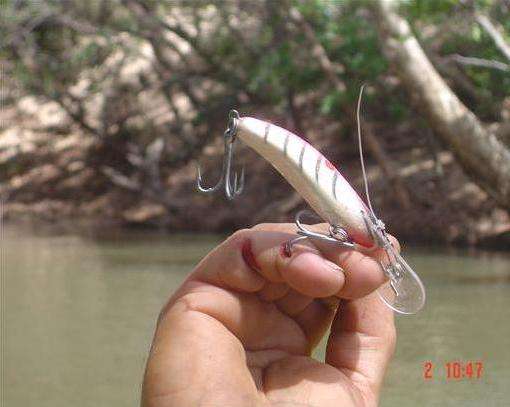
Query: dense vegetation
pixel 143 88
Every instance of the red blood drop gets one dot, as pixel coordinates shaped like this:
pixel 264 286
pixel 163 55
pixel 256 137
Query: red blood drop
pixel 285 250
pixel 248 257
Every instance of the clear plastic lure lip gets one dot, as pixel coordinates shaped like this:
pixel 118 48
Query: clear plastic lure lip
pixel 404 292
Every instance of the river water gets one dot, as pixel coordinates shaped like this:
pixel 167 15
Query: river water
pixel 79 313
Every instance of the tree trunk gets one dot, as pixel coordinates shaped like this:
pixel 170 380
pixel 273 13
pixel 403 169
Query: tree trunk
pixel 481 155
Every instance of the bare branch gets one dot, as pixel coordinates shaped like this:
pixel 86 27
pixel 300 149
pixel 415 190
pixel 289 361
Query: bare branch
pixel 147 182
pixel 458 79
pixel 494 33
pixel 119 179
pixel 480 62
pixel 76 112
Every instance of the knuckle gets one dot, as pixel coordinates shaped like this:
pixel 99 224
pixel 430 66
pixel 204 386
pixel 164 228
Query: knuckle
pixel 263 226
pixel 237 237
pixel 184 300
pixel 189 302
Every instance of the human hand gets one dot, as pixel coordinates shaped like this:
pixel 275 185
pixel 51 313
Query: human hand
pixel 240 329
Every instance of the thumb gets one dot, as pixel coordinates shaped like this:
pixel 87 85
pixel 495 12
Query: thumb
pixel 362 342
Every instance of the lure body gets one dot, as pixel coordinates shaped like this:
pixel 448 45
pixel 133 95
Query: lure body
pixel 311 174
pixel 329 194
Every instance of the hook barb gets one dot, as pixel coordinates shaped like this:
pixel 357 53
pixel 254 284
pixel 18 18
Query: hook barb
pixel 236 189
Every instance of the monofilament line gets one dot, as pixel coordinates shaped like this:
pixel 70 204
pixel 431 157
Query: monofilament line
pixel 360 147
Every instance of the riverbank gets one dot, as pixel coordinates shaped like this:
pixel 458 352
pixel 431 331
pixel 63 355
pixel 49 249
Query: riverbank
pixel 54 173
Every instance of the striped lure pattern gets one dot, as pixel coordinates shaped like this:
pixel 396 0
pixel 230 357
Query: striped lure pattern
pixel 329 194
pixel 311 174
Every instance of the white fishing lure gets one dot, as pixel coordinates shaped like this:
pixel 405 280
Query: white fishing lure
pixel 353 224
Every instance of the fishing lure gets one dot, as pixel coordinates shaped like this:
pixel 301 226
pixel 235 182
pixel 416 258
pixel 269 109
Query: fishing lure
pixel 353 223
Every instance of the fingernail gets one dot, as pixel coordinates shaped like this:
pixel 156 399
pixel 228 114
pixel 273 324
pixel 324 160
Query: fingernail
pixel 334 267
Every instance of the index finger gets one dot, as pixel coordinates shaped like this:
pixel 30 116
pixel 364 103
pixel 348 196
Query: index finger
pixel 363 272
pixel 252 258
pixel 258 252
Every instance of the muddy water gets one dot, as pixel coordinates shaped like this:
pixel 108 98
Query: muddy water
pixel 78 316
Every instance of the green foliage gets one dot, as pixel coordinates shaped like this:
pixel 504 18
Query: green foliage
pixel 52 45
pixel 432 10
pixel 347 33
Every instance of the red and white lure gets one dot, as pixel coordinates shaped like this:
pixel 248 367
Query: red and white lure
pixel 352 223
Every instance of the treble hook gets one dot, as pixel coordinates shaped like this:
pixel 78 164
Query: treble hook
pixel 233 185
pixel 337 235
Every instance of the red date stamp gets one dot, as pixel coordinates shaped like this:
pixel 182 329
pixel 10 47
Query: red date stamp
pixel 453 370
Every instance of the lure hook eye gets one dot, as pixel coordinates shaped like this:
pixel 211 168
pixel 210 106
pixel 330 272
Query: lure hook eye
pixel 232 182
